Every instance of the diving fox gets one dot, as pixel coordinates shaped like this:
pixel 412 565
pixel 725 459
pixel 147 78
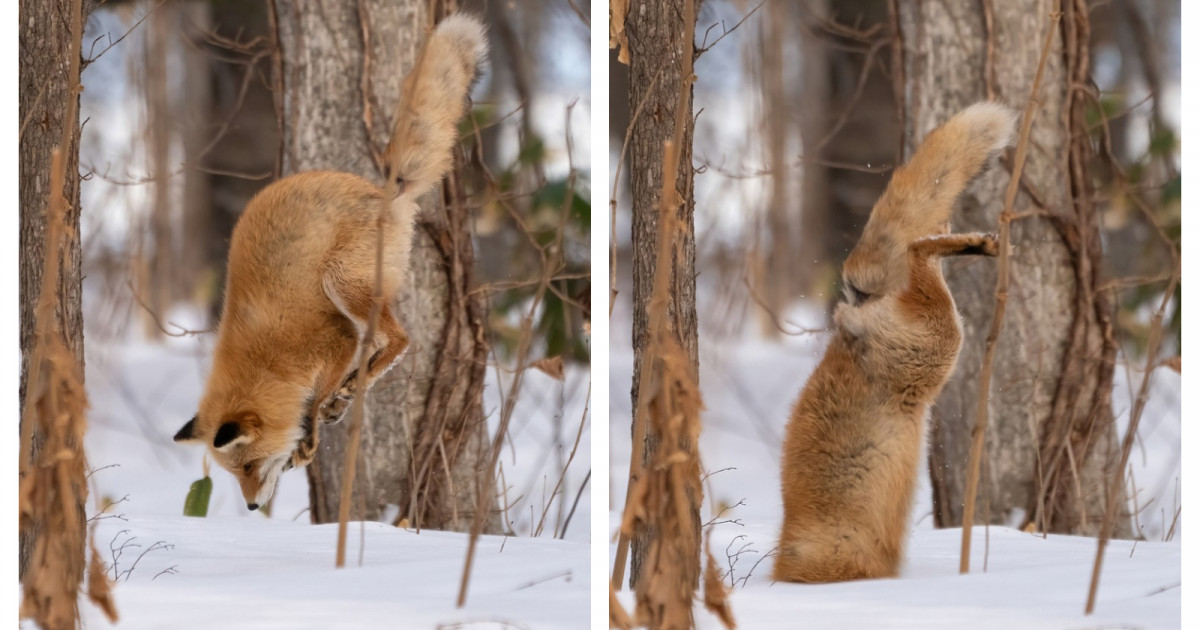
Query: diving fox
pixel 301 274
pixel 852 447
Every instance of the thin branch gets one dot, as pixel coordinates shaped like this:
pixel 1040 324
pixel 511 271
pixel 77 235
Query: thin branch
pixel 985 379
pixel 725 32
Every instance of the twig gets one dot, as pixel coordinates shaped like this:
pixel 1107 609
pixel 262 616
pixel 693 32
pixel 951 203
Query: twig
pixel 91 58
pixel 564 574
pixel 703 49
pixel 587 478
pixel 562 473
pixel 985 379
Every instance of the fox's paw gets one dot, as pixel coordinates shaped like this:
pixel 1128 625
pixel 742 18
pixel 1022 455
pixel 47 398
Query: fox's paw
pixel 335 408
pixel 985 244
pixel 306 449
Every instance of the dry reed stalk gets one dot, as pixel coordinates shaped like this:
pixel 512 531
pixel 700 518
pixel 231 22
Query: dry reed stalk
pixel 665 496
pixel 985 378
pixel 666 493
pixel 357 407
pixel 53 484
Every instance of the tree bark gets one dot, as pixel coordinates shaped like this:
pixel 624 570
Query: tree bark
pixel 655 31
pixel 45 88
pixel 424 434
pixel 1051 436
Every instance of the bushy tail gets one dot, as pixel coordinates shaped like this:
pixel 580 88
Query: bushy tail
pixel 919 199
pixel 432 100
pixel 922 193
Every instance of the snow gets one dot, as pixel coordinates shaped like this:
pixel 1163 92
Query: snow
pixel 749 385
pixel 277 571
pixel 1030 583
pixel 225 572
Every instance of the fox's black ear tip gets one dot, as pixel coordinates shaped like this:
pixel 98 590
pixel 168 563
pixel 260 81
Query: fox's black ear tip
pixel 188 432
pixel 226 434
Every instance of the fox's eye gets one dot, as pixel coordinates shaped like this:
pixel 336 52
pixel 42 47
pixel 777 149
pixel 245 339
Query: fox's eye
pixel 856 296
pixel 247 467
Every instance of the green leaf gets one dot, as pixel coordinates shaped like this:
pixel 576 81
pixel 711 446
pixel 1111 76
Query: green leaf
pixel 198 497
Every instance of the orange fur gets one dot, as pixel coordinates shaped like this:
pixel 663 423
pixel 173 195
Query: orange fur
pixel 302 262
pixel 852 447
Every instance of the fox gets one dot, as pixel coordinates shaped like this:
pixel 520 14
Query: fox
pixel 301 275
pixel 854 441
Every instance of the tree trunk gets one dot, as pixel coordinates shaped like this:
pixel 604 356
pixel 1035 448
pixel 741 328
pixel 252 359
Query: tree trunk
pixel 45 84
pixel 655 31
pixel 1051 436
pixel 424 434
pixel 237 100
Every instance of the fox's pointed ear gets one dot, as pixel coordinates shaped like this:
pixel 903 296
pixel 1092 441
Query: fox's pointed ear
pixel 226 434
pixel 236 432
pixel 188 432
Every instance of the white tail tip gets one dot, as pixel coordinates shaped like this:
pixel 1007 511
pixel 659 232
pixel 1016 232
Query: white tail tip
pixel 467 33
pixel 992 120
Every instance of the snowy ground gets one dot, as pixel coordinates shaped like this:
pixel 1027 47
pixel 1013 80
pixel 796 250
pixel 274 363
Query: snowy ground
pixel 244 569
pixel 230 572
pixel 1031 582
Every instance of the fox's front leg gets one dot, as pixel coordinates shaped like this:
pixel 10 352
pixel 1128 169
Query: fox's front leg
pixel 306 448
pixel 334 407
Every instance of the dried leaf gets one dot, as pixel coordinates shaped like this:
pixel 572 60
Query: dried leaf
pixel 716 595
pixel 551 366
pixel 99 586
pixel 618 9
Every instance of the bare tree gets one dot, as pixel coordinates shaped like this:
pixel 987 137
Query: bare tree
pixel 1051 439
pixel 655 32
pixel 340 70
pixel 46 86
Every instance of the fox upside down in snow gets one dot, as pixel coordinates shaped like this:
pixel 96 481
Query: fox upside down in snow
pixel 302 273
pixel 852 448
